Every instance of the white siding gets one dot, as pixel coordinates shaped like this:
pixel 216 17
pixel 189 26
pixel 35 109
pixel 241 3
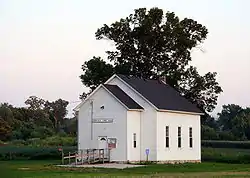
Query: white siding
pixel 148 121
pixel 174 120
pixel 112 109
pixel 133 127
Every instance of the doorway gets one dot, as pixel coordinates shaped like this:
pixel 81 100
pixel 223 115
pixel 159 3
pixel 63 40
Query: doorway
pixel 102 142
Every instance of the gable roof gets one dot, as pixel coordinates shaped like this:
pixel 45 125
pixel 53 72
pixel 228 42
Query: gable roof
pixel 161 95
pixel 118 94
pixel 122 96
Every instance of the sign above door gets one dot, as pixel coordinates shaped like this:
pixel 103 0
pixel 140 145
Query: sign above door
pixel 102 120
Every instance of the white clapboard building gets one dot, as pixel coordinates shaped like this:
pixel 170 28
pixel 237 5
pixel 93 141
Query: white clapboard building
pixel 140 119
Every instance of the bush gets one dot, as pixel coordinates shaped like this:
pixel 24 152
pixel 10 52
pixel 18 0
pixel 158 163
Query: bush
pixel 56 140
pixel 226 144
pixel 208 133
pixel 226 135
pixel 42 132
pixel 25 152
pixel 50 141
pixel 2 143
pixel 34 142
pixel 17 142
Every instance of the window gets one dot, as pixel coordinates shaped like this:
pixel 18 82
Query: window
pixel 167 136
pixel 103 139
pixel 134 140
pixel 190 137
pixel 179 137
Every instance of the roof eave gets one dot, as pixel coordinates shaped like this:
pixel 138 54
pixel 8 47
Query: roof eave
pixel 140 110
pixel 77 108
pixel 181 112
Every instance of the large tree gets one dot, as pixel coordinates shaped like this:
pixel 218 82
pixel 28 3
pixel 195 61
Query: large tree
pixel 57 111
pixel 35 103
pixel 6 114
pixel 227 116
pixel 5 129
pixel 152 44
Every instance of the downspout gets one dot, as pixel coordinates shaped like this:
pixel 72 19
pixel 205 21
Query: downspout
pixel 77 132
pixel 91 121
pixel 140 135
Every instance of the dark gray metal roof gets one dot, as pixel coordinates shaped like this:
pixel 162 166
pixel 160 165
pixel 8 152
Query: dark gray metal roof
pixel 122 96
pixel 161 95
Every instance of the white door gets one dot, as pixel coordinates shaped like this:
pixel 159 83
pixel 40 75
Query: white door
pixel 102 142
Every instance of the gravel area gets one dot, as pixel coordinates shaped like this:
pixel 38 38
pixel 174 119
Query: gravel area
pixel 105 165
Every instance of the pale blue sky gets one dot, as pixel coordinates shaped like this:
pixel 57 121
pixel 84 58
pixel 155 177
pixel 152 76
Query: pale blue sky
pixel 43 44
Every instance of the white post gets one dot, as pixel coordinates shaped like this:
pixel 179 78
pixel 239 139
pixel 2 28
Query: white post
pixel 82 155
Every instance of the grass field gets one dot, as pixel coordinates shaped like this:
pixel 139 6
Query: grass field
pixel 47 169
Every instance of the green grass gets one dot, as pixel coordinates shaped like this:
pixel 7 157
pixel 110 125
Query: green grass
pixel 226 155
pixel 47 169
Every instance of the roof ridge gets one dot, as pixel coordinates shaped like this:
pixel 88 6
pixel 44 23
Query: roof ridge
pixel 145 79
pixel 161 94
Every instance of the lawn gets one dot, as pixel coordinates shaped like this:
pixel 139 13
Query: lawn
pixel 47 169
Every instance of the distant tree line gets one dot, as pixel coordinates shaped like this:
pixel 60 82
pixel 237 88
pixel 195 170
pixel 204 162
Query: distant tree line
pixel 233 123
pixel 40 119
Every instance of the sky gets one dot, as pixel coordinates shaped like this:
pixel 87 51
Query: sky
pixel 43 44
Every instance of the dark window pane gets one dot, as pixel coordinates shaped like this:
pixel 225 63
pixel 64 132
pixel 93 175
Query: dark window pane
pixel 179 131
pixel 179 142
pixel 134 141
pixel 167 131
pixel 167 142
pixel 191 142
pixel 190 132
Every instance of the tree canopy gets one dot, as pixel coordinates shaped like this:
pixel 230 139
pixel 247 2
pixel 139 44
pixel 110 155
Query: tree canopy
pixel 233 123
pixel 152 44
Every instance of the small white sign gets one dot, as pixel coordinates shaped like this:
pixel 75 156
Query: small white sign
pixel 102 120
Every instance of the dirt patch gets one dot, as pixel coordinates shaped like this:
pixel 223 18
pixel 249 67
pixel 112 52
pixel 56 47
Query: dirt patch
pixel 108 165
pixel 23 168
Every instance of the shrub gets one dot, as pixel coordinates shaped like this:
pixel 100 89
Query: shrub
pixel 17 142
pixel 2 143
pixel 50 141
pixel 57 140
pixel 25 152
pixel 34 142
pixel 42 132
